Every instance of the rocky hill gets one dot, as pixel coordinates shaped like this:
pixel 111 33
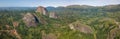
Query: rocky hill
pixel 41 10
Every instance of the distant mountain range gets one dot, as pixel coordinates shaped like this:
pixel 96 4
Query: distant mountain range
pixel 87 7
pixel 73 7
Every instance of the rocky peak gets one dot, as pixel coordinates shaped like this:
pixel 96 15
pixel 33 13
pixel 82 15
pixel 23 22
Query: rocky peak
pixel 41 10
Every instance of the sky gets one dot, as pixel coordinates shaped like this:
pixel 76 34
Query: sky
pixel 55 3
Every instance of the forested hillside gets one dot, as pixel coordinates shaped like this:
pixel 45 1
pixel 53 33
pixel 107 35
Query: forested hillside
pixel 70 22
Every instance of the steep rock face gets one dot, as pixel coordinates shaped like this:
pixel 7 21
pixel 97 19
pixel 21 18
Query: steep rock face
pixel 80 27
pixel 42 10
pixel 53 15
pixel 30 20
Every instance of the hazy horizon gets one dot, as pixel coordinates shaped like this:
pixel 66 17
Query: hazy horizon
pixel 55 3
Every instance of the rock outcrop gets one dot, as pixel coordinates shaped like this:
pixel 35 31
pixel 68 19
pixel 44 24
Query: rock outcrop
pixel 80 27
pixel 30 20
pixel 42 10
pixel 53 15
